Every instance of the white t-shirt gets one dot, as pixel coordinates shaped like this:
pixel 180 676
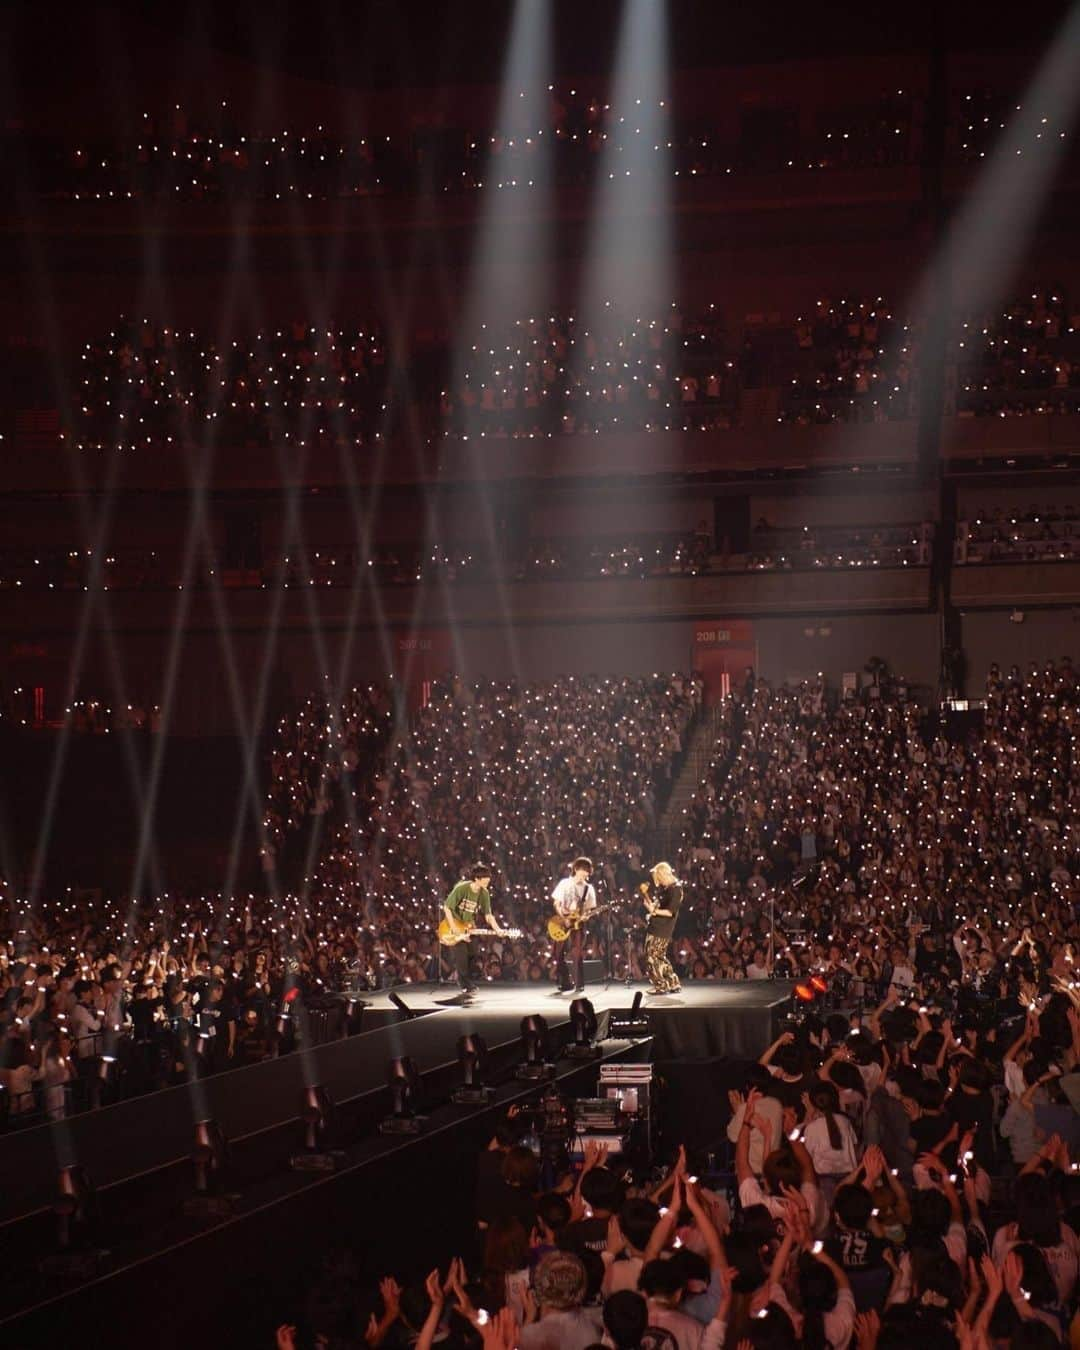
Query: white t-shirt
pixel 570 898
pixel 1062 1259
pixel 770 1109
pixel 685 1329
pixel 575 1329
pixel 829 1161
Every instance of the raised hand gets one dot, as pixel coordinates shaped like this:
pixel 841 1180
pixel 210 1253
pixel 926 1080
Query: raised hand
pixel 286 1337
pixel 390 1291
pixel 595 1155
pixel 873 1165
pixel 867 1330
pixel 433 1285
pixel 991 1278
pixel 500 1332
pixel 1012 1273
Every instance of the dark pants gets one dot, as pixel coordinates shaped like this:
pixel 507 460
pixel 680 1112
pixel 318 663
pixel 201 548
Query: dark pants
pixel 459 959
pixel 576 943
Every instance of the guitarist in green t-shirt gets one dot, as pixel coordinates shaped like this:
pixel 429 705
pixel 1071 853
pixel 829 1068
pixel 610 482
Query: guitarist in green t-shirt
pixel 461 907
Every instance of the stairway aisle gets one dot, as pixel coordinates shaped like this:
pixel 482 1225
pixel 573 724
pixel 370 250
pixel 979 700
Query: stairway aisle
pixel 664 840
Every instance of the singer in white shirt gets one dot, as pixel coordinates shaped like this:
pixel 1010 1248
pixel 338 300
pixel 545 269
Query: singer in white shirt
pixel 574 896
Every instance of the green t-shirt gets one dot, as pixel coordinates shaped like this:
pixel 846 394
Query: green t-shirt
pixel 464 903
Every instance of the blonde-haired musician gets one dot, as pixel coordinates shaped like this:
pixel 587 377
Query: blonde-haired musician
pixel 662 900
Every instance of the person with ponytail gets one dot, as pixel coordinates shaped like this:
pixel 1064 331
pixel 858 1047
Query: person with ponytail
pixel 829 1137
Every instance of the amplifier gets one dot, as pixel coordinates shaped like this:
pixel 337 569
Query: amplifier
pixel 594 971
pixel 597 1114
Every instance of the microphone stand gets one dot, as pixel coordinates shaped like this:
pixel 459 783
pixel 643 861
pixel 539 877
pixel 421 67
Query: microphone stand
pixel 609 953
pixel 438 944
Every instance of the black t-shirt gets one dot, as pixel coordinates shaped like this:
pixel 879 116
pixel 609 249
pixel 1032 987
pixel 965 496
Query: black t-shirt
pixel 929 1131
pixel 587 1235
pixel 790 1092
pixel 667 897
pixel 857 1249
pixel 197 988
pixel 975 1111
pixel 142 1014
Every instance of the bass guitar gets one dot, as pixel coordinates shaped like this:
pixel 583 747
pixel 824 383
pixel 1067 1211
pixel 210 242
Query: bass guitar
pixel 450 935
pixel 559 927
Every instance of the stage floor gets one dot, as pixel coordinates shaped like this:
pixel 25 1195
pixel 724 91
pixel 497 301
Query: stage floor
pixel 705 1019
pixel 534 996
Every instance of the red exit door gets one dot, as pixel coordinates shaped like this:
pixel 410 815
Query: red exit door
pixel 722 651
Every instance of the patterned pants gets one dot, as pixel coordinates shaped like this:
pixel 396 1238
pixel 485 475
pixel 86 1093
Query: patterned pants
pixel 659 967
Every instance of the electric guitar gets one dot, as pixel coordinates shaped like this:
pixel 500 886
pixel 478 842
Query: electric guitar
pixel 450 935
pixel 560 928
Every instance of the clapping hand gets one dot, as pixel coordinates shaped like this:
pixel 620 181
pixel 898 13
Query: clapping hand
pixel 500 1332
pixel 434 1286
pixel 390 1291
pixel 873 1165
pixel 593 1155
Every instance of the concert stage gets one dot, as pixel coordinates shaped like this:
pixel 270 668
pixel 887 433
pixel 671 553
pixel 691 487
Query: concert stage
pixel 138 1151
pixel 705 1019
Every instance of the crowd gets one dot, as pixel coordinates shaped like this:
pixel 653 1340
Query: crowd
pixel 833 546
pixel 906 1174
pixel 900 1169
pixel 850 837
pixel 144 385
pixel 639 553
pixel 1022 360
pixel 564 134
pixel 848 359
pixel 536 376
pixel 862 817
pixel 1035 534
pixel 850 370
pixel 518 774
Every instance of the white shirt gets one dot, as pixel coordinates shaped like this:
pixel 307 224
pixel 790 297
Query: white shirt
pixel 574 1329
pixel 572 898
pixel 84 1026
pixel 829 1161
pixel 770 1109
